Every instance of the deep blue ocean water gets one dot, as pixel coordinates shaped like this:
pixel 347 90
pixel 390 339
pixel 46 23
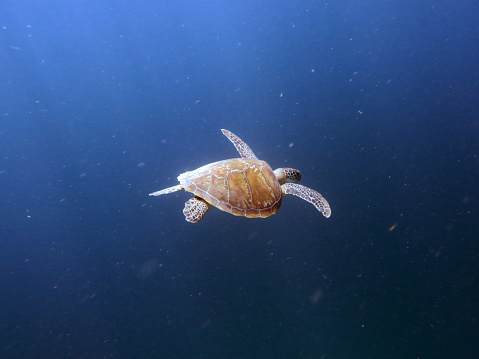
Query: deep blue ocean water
pixel 103 102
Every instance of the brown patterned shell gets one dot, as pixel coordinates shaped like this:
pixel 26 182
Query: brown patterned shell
pixel 240 186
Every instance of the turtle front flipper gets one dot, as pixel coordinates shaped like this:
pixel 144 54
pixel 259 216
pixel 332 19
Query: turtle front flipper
pixel 309 195
pixel 195 209
pixel 167 190
pixel 241 147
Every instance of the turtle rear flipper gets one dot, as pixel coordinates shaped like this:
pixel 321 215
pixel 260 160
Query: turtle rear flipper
pixel 195 209
pixel 167 190
pixel 309 195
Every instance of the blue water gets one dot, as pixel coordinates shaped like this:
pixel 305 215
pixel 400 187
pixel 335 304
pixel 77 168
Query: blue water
pixel 103 102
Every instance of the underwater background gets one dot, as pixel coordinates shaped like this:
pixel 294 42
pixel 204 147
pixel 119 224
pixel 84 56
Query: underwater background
pixel 103 102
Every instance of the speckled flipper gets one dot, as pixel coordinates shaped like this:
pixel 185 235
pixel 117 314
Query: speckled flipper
pixel 241 147
pixel 308 195
pixel 195 209
pixel 167 190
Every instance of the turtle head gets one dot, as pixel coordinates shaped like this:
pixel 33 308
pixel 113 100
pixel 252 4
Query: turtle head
pixel 287 175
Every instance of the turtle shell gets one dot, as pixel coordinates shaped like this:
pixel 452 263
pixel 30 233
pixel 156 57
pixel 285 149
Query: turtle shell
pixel 240 186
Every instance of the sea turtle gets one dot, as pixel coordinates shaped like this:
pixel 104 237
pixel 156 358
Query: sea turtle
pixel 243 186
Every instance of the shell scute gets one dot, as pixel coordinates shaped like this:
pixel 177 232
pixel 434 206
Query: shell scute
pixel 262 193
pixel 239 192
